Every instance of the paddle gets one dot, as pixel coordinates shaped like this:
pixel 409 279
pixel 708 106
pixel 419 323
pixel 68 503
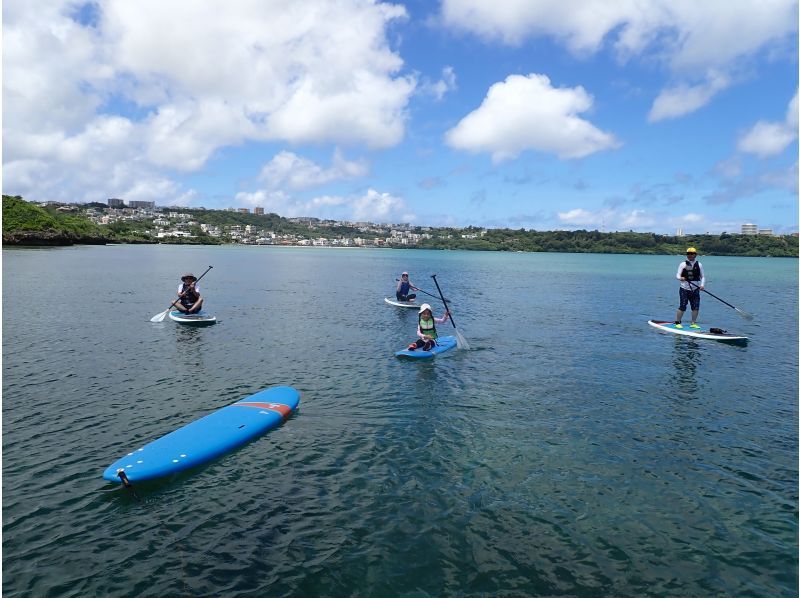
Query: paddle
pixel 160 317
pixel 460 340
pixel 742 313
pixel 426 292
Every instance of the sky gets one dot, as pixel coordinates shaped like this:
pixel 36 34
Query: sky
pixel 643 115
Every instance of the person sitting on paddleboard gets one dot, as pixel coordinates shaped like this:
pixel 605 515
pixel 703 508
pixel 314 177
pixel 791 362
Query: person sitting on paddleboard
pixel 426 329
pixel 693 280
pixel 189 300
pixel 403 287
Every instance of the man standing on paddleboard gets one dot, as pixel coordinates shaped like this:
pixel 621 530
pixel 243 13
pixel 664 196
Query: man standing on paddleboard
pixel 693 280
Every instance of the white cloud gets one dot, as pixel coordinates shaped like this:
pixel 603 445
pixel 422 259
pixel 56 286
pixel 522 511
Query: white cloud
pixel 277 202
pixel 439 88
pixel 683 99
pixel 512 21
pixel 380 207
pixel 373 206
pixel 691 218
pixel 637 219
pixel 294 172
pixel 579 216
pixel 191 78
pixel 528 113
pixel 690 38
pixel 766 139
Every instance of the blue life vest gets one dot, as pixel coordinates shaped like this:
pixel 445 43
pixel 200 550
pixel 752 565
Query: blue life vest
pixel 405 287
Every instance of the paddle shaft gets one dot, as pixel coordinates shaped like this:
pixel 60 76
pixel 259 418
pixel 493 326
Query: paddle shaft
pixel 441 296
pixel 421 291
pixel 713 295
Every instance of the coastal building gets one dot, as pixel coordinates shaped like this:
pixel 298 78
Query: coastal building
pixel 113 202
pixel 142 204
pixel 258 211
pixel 765 231
pixel 244 210
pixel 749 229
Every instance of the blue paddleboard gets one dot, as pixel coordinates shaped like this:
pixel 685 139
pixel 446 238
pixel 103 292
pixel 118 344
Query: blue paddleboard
pixel 208 437
pixel 196 319
pixel 443 343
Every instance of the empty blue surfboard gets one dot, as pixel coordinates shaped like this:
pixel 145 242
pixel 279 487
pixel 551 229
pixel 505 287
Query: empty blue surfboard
pixel 208 437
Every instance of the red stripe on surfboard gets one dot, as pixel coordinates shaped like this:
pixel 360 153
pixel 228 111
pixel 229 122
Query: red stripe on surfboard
pixel 284 410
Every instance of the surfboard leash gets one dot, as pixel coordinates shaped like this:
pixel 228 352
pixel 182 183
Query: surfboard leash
pixel 127 483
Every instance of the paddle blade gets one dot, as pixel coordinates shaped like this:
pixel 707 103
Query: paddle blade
pixel 160 317
pixel 744 314
pixel 461 342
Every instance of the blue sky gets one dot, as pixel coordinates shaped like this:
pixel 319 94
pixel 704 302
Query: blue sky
pixel 536 114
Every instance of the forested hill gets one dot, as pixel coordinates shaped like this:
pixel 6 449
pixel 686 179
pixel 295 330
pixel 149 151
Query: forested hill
pixel 582 241
pixel 27 224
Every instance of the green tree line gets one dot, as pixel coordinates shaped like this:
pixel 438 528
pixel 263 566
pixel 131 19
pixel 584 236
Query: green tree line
pixel 26 223
pixel 583 241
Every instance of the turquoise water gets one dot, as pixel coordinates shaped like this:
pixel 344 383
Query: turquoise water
pixel 574 450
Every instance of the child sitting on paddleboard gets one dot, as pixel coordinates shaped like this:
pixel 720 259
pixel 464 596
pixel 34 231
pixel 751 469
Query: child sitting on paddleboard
pixel 426 329
pixel 189 299
pixel 404 287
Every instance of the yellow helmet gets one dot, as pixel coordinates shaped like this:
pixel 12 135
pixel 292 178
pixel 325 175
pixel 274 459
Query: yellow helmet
pixel 691 250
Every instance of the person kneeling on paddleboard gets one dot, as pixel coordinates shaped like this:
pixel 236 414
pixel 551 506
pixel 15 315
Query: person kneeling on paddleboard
pixel 403 287
pixel 693 280
pixel 189 299
pixel 426 329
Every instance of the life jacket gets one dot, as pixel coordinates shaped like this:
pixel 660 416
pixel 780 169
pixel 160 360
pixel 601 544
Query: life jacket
pixel 428 327
pixel 189 297
pixel 692 272
pixel 405 287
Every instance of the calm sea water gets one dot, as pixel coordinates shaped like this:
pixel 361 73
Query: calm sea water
pixel 574 450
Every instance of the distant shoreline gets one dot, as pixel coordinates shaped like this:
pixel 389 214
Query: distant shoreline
pixel 45 242
pixel 29 225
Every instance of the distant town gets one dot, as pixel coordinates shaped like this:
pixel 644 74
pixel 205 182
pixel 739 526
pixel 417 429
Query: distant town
pixel 175 223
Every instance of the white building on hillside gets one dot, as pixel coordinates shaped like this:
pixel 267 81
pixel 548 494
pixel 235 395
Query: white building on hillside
pixel 749 229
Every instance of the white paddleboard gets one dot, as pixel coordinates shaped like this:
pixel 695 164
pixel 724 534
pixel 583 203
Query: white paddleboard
pixel 197 319
pixel 401 303
pixel 724 335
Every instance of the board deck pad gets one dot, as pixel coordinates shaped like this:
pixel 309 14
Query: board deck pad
pixel 208 437
pixel 196 319
pixel 443 343
pixel 695 332
pixel 401 303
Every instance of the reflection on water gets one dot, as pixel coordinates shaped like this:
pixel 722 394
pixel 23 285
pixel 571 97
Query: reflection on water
pixel 686 359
